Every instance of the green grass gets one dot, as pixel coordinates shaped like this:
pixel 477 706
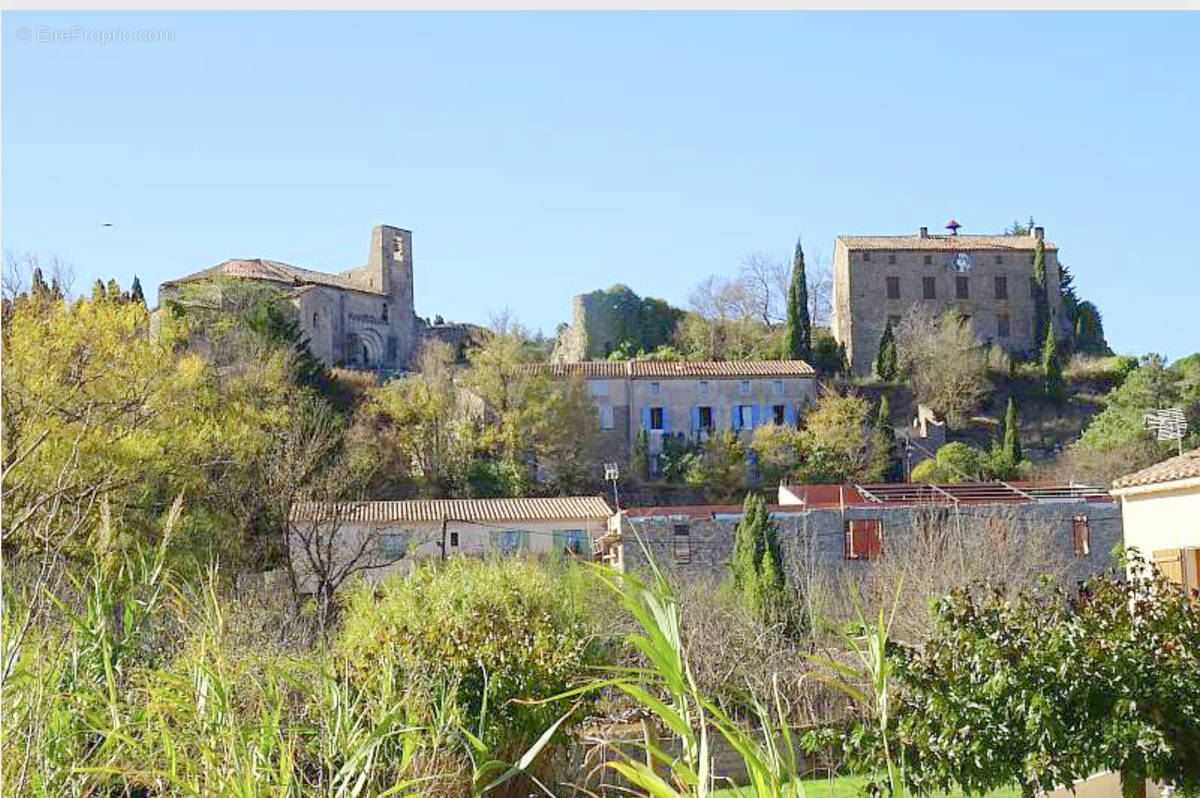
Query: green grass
pixel 852 787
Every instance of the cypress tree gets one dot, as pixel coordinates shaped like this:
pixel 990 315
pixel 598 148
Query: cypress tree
pixel 38 289
pixel 886 360
pixel 1012 435
pixel 884 419
pixel 98 291
pixel 747 546
pixel 758 562
pixel 1041 303
pixel 797 339
pixel 135 292
pixel 1051 368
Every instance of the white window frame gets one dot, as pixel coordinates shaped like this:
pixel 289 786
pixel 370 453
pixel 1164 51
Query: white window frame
pixel 655 388
pixel 702 387
pixel 777 387
pixel 606 417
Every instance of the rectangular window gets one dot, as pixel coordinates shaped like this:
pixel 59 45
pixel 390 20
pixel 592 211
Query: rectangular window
pixel 568 542
pixel 598 387
pixel 744 388
pixel 929 284
pixel 999 259
pixel 706 418
pixel 746 416
pixel 1001 287
pixel 894 321
pixel 777 386
pixel 893 287
pixel 1002 325
pixel 928 260
pixel 892 260
pixel 864 538
pixel 703 387
pixel 962 287
pixel 681 543
pixel 656 418
pixel 512 541
pixel 655 388
pixel 779 413
pixel 866 257
pixel 393 545
pixel 453 539
pixel 606 417
pixel 1082 534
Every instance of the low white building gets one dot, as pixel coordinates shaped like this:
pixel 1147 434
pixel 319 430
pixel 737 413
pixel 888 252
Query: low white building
pixel 381 537
pixel 1161 510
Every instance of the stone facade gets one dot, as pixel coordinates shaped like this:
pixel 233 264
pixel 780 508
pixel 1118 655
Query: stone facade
pixel 603 321
pixel 689 398
pixel 695 541
pixel 986 278
pixel 360 318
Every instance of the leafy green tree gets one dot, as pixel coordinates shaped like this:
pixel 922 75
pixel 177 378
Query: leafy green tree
pixel 98 294
pixel 886 362
pixel 114 291
pixel 828 356
pixel 955 462
pixel 797 339
pixel 1012 434
pixel 943 361
pixel 721 467
pixel 1089 330
pixel 1042 690
pixel 841 443
pixel 758 562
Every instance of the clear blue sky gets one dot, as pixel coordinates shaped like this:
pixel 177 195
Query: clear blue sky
pixel 536 156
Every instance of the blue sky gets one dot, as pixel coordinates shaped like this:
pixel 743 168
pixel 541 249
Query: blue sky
pixel 536 156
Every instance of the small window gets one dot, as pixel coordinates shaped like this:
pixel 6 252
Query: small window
pixel 656 418
pixel 928 260
pixel 598 387
pixel 779 413
pixel 893 288
pixel 1082 534
pixel 454 539
pixel 744 387
pixel 606 417
pixel 568 542
pixel 383 315
pixel 894 321
pixel 393 545
pixel 316 319
pixel 999 260
pixel 512 541
pixel 682 543
pixel 929 284
pixel 892 260
pixel 706 418
pixel 1003 329
pixel 864 538
pixel 1001 287
pixel 962 287
pixel 655 388
pixel 777 386
pixel 866 257
pixel 702 387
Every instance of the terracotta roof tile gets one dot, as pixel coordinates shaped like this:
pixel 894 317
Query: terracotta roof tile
pixel 273 270
pixel 1184 466
pixel 948 243
pixel 680 369
pixel 564 508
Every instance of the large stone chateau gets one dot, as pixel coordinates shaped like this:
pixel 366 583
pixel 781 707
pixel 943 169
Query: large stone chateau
pixel 986 278
pixel 360 318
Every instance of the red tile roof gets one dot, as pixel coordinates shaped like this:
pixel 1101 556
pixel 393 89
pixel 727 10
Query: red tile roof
pixel 1184 466
pixel 678 369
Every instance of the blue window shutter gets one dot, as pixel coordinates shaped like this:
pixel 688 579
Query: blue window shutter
pixel 695 418
pixel 765 416
pixel 666 424
pixel 646 418
pixel 735 418
pixel 789 415
pixel 754 416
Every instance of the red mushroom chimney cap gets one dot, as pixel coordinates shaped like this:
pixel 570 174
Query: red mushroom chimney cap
pixel 953 226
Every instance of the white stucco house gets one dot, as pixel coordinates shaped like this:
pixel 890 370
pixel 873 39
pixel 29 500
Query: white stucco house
pixel 1161 510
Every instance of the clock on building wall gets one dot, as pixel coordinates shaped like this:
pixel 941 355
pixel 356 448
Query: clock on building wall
pixel 960 262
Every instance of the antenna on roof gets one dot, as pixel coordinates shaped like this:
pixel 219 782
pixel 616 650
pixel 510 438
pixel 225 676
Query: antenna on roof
pixel 1169 424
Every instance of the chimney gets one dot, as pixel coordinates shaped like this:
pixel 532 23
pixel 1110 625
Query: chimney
pixel 1039 233
pixel 924 233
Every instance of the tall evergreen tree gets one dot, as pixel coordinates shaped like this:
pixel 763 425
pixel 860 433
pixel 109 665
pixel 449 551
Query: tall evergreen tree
pixel 1041 302
pixel 39 289
pixel 797 339
pixel 1012 435
pixel 135 292
pixel 887 359
pixel 758 562
pixel 114 291
pixel 98 291
pixel 1051 367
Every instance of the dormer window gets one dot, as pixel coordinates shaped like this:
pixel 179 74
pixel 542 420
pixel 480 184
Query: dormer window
pixel 383 315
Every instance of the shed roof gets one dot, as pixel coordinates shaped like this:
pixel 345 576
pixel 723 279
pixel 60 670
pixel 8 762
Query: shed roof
pixel 559 508
pixel 1184 466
